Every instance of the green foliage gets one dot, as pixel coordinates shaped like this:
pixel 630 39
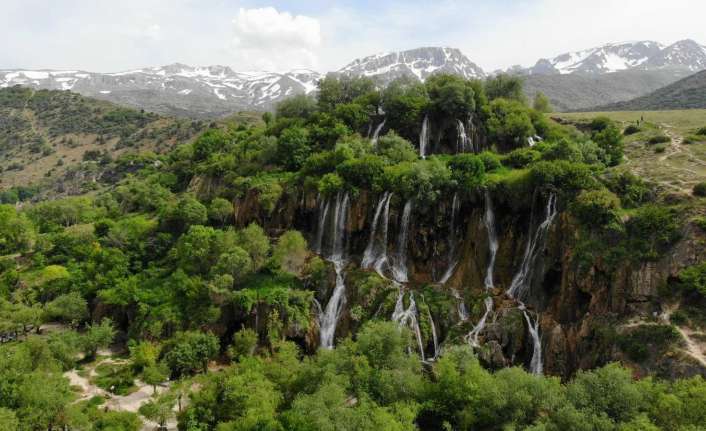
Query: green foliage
pixel 220 211
pixel 541 103
pixel 330 184
pixel 659 139
pixel 300 106
pixel 651 230
pixel 596 208
pixel 71 308
pixel 638 342
pixel 693 279
pixel 423 180
pixel 450 96
pixel 290 253
pixel 115 378
pixel 563 175
pixel 521 157
pixel 700 189
pixel 509 124
pixel 16 231
pixel 396 149
pixel 189 352
pixel 97 336
pixel 632 190
pixel 504 86
pixel 610 140
pixel 244 344
pixel 468 170
pixel 631 129
pixel 293 147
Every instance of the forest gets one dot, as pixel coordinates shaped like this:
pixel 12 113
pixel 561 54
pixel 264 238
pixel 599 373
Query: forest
pixel 394 258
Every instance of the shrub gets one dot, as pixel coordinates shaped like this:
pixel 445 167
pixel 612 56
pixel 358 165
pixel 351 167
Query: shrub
pixel 244 344
pixel 700 189
pixel 566 176
pixel 366 172
pixel 632 190
pixel 595 207
pixel 661 148
pixel 693 279
pixel 693 139
pixel 701 131
pixel 659 139
pixel 521 157
pixel 468 170
pixel 652 229
pixel 631 130
pixel 638 341
pixel 330 184
pixel 599 124
pixel 491 161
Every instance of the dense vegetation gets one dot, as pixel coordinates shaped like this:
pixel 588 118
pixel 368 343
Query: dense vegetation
pixel 160 265
pixel 687 93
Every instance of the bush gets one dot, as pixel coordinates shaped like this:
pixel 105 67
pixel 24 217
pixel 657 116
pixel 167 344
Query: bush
pixel 244 344
pixel 693 279
pixel 631 130
pixel 659 139
pixel 701 131
pixel 599 124
pixel 595 207
pixel 638 342
pixel 693 139
pixel 632 190
pixel 651 230
pixel 330 184
pixel 366 172
pixel 490 160
pixel 468 170
pixel 700 189
pixel 661 148
pixel 562 175
pixel 521 157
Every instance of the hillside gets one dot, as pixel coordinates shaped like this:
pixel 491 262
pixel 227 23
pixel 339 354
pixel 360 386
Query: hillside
pixel 65 142
pixel 570 92
pixel 687 93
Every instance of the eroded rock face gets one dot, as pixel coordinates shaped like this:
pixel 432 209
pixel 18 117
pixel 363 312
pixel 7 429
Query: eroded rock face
pixel 577 306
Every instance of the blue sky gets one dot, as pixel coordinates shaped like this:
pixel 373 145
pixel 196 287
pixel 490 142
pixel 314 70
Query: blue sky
pixel 109 35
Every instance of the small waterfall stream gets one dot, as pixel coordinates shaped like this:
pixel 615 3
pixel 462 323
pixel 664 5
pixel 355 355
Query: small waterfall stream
pixel 376 134
pixel 472 337
pixel 399 266
pixel 536 365
pixel 371 253
pixel 522 280
pixel 462 144
pixel 408 317
pixel 455 206
pixel 328 317
pixel 381 260
pixel 489 221
pixel 424 138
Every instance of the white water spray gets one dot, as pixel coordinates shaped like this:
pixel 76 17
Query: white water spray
pixel 453 262
pixel 370 253
pixel 399 267
pixel 536 365
pixel 408 317
pixel 522 280
pixel 328 319
pixel 376 134
pixel 424 138
pixel 472 337
pixel 462 144
pixel 489 220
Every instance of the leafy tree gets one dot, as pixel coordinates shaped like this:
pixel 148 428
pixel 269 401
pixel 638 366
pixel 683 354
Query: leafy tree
pixel 244 344
pixel 337 90
pixel 16 231
pixel 330 184
pixel 189 352
pixel 236 262
pixel 8 420
pixel 293 147
pixel 198 249
pixel 42 398
pixel 188 211
pixel 405 101
pixel 596 207
pixel 300 106
pixel 468 170
pixel 450 96
pixel 509 124
pixel 610 140
pixel 254 240
pixel 506 87
pixel 291 252
pixel 71 308
pixel 541 103
pixel 117 421
pixel 220 210
pixel 396 149
pixel 97 336
pixel 155 374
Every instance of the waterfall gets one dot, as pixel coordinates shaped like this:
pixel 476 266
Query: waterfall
pixel 381 260
pixel 522 280
pixel 433 333
pixel 323 212
pixel 424 138
pixel 408 317
pixel 462 137
pixel 472 337
pixel 531 142
pixel 376 134
pixel 399 267
pixel 492 240
pixel 461 307
pixel 455 205
pixel 536 366
pixel 329 318
pixel 369 255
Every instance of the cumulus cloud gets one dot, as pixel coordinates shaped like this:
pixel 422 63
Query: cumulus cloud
pixel 266 38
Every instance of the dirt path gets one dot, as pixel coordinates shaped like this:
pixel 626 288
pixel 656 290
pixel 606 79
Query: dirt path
pixel 694 348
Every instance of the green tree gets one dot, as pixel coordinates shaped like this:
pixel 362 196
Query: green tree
pixel 236 262
pixel 155 374
pixel 16 231
pixel 71 308
pixel 291 252
pixel 244 344
pixel 506 87
pixel 96 337
pixel 541 103
pixel 300 106
pixel 189 352
pixel 254 240
pixel 8 420
pixel 220 210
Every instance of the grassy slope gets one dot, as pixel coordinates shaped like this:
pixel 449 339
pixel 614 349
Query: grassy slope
pixel 681 165
pixel 45 134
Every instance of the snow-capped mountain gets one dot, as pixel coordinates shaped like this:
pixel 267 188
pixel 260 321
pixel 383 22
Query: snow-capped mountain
pixel 615 57
pixel 176 88
pixel 417 63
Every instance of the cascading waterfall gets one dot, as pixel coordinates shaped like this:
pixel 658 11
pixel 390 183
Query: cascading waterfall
pixel 329 317
pixel 472 337
pixel 522 280
pixel 399 267
pixel 381 261
pixel 369 255
pixel 530 141
pixel 455 206
pixel 462 145
pixel 433 334
pixel 461 306
pixel 424 138
pixel 408 317
pixel 536 365
pixel 489 220
pixel 376 134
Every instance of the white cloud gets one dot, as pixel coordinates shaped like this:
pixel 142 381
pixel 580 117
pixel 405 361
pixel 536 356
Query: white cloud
pixel 268 39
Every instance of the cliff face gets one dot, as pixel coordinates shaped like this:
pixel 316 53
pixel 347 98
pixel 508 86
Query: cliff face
pixel 582 310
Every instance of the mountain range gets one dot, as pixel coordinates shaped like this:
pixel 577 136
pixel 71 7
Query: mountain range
pixel 576 80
